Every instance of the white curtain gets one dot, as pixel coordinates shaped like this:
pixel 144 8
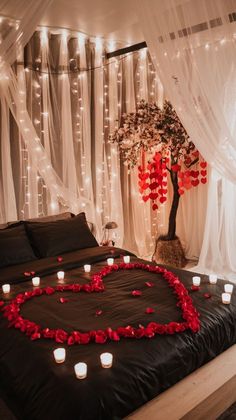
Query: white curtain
pixel 66 100
pixel 193 46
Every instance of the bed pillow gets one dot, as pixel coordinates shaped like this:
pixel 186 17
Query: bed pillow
pixel 50 239
pixel 15 247
pixel 53 218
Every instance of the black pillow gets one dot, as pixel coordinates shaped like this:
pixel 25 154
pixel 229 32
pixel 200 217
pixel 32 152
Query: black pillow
pixel 49 239
pixel 15 247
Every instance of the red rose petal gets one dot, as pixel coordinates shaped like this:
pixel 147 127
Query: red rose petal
pixel 207 295
pixel 136 293
pixel 195 288
pixel 149 310
pixel 63 300
pixel 98 312
pixel 27 274
pixel 59 259
pixel 149 284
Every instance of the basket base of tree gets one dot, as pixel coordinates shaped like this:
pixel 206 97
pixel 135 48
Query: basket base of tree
pixel 169 252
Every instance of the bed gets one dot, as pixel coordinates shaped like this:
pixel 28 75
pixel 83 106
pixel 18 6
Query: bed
pixel 35 387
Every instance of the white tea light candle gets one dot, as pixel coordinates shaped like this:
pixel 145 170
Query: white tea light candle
pixel 59 355
pixel 87 268
pixel 126 259
pixel 212 278
pixel 196 280
pixel 110 261
pixel 226 298
pixel 36 281
pixel 106 360
pixel 228 288
pixel 80 370
pixel 6 288
pixel 60 275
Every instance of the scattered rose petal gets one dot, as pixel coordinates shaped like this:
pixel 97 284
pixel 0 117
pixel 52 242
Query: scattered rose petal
pixel 98 312
pixel 136 293
pixel 195 288
pixel 59 259
pixel 149 310
pixel 32 273
pixel 27 274
pixel 207 295
pixel 149 284
pixel 1 303
pixel 63 300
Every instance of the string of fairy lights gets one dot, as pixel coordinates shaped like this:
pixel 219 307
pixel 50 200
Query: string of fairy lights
pixel 106 173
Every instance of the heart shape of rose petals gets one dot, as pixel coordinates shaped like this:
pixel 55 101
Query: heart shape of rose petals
pixel 190 316
pixel 203 165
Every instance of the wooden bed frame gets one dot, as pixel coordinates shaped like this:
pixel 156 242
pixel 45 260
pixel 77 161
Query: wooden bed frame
pixel 204 394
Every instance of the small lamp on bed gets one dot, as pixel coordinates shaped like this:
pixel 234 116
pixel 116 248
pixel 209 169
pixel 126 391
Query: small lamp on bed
pixel 108 234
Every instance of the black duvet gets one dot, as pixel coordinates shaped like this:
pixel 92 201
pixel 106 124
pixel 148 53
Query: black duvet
pixel 36 387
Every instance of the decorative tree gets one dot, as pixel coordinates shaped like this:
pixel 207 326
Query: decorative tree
pixel 156 141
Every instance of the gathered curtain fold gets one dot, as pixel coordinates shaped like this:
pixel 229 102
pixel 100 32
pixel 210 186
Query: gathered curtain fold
pixel 193 47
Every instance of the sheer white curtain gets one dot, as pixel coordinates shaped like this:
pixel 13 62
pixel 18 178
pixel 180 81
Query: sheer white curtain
pixel 13 40
pixel 193 46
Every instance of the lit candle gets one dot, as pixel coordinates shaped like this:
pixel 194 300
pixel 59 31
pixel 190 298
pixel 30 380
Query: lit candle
pixel 226 298
pixel 6 288
pixel 87 268
pixel 228 288
pixel 60 275
pixel 59 355
pixel 213 278
pixel 36 281
pixel 106 360
pixel 80 370
pixel 110 261
pixel 126 259
pixel 196 280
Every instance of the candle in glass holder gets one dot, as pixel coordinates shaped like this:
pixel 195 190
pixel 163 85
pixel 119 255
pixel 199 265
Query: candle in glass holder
pixel 36 281
pixel 6 288
pixel 80 370
pixel 226 298
pixel 60 275
pixel 196 280
pixel 59 355
pixel 212 278
pixel 87 268
pixel 106 360
pixel 126 259
pixel 228 288
pixel 110 261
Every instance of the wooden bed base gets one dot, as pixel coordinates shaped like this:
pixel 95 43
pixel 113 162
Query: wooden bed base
pixel 204 394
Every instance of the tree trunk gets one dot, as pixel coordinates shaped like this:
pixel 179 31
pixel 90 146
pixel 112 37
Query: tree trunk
pixel 174 207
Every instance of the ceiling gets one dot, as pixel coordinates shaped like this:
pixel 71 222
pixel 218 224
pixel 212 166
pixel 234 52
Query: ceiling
pixel 112 19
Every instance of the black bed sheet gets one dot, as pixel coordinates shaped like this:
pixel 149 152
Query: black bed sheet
pixel 38 388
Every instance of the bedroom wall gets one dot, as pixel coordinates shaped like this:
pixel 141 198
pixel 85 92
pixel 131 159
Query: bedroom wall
pixel 75 99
